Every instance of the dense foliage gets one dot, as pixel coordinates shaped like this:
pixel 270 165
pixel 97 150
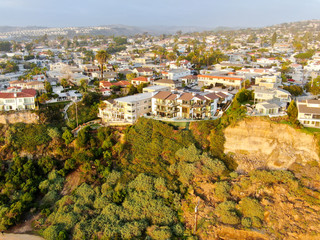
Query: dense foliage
pixel 135 182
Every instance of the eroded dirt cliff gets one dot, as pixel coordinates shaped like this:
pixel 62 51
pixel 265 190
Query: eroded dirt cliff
pixel 257 143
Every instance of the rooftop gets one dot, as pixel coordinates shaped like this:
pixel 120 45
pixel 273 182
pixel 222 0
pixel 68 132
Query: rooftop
pixel 135 98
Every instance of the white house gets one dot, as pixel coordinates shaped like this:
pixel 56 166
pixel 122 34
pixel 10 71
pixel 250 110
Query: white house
pixel 309 113
pixel 17 99
pixel 175 74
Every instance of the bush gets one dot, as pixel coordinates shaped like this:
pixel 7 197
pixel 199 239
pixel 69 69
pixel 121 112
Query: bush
pixel 222 190
pixel 250 207
pixel 246 222
pixel 227 213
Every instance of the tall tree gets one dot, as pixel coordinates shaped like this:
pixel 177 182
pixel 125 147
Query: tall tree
pixel 102 57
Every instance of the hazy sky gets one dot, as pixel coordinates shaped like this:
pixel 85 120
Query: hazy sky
pixel 209 13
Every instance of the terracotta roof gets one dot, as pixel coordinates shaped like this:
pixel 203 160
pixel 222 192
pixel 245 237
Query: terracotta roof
pixel 211 96
pixel 172 97
pixel 24 93
pixel 141 79
pixel 200 97
pixel 222 95
pixel 105 84
pixel 186 96
pixel 144 69
pixel 162 95
pixel 121 83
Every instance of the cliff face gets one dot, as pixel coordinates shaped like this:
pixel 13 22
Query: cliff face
pixel 257 143
pixel 25 117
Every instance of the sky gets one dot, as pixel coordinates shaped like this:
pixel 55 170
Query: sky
pixel 204 13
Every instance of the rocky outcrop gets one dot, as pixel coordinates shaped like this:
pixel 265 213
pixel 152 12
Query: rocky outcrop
pixel 257 143
pixel 15 117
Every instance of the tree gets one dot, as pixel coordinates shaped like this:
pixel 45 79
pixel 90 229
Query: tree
pixel 67 136
pixel 64 82
pixel 292 112
pixel 102 57
pixel 48 87
pixel 130 76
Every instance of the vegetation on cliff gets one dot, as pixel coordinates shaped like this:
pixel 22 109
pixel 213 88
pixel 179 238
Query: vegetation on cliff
pixel 143 182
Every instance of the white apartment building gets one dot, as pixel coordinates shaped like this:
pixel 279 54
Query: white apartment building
pixel 207 80
pixel 309 113
pixel 126 109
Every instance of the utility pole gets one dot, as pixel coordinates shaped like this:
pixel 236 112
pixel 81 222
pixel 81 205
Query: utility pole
pixel 77 113
pixel 196 217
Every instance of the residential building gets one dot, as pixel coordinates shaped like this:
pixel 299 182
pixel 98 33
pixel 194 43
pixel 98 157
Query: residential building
pixel 164 104
pixel 37 85
pixel 309 113
pixel 156 88
pixel 189 79
pixel 139 80
pixel 175 74
pixel 17 99
pixel 263 94
pixel 168 83
pixel 143 72
pixel 227 81
pixel 126 109
pixel 269 108
pixel 268 81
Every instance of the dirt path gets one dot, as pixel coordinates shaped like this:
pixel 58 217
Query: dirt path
pixel 11 236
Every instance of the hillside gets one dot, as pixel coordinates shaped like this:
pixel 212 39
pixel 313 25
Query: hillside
pixel 144 181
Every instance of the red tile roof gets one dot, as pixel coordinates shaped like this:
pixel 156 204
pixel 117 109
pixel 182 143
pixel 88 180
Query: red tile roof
pixel 24 93
pixel 141 79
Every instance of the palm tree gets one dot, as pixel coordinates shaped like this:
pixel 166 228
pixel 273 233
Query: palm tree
pixel 102 57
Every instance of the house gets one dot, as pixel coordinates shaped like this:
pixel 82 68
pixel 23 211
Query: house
pixel 109 76
pixel 269 107
pixel 309 113
pixel 215 80
pixel 262 94
pixel 268 81
pixel 156 88
pixel 139 80
pixel 107 87
pixel 168 83
pixel 37 85
pixel 126 109
pixel 175 74
pixel 186 105
pixel 164 104
pixel 143 72
pixel 17 99
pixel 189 79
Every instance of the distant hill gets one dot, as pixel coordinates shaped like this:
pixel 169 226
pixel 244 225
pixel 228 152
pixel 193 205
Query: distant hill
pixel 12 32
pixel 108 30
